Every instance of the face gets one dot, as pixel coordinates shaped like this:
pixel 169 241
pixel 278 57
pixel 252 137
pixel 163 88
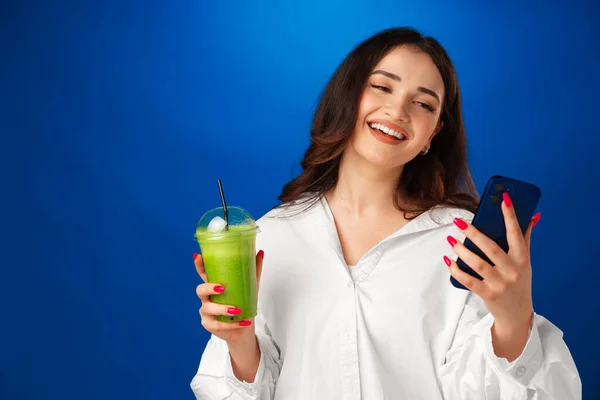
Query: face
pixel 399 109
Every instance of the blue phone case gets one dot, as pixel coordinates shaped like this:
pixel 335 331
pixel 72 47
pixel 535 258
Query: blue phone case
pixel 489 218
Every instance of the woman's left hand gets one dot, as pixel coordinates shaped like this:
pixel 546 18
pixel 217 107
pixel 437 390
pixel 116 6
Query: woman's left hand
pixel 506 287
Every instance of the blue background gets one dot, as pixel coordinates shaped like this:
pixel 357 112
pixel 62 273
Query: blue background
pixel 118 117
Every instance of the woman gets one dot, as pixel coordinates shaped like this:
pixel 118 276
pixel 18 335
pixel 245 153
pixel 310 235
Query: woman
pixel 355 300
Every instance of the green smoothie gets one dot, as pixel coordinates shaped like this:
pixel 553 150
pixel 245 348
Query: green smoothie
pixel 229 257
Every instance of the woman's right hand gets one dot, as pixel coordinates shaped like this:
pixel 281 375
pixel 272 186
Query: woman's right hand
pixel 231 332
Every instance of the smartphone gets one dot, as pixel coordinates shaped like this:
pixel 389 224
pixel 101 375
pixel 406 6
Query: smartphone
pixel 489 219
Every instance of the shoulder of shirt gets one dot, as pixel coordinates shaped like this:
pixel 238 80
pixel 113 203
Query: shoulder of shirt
pixel 298 209
pixel 444 215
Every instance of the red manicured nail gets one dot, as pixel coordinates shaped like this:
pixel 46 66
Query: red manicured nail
pixel 460 223
pixel 447 261
pixel 506 199
pixel 219 289
pixel 451 240
pixel 195 256
pixel 261 254
pixel 245 323
pixel 536 218
pixel 234 311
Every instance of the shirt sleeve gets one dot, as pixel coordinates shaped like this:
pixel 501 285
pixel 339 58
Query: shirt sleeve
pixel 215 379
pixel 545 370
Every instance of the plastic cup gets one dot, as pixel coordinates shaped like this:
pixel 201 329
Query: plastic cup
pixel 229 255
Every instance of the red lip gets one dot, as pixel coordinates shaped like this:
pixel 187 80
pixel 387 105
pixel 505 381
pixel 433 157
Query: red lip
pixel 390 125
pixel 383 138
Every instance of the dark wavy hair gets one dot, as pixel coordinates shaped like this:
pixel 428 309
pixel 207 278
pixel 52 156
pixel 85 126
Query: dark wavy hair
pixel 439 178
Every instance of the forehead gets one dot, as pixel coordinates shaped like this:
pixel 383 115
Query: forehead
pixel 415 67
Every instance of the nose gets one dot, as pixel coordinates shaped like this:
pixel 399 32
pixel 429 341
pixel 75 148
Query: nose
pixel 397 110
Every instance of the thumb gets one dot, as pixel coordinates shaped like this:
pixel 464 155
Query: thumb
pixel 534 220
pixel 199 264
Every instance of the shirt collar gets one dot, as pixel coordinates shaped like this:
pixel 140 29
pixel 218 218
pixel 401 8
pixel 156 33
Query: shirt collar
pixel 431 219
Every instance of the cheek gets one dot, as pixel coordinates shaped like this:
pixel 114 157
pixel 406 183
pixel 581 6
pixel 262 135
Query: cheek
pixel 368 104
pixel 425 125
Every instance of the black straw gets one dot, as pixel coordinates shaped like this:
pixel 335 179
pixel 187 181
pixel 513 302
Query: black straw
pixel 224 204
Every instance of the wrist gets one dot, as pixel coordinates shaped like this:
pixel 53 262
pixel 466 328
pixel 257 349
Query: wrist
pixel 509 338
pixel 243 345
pixel 513 327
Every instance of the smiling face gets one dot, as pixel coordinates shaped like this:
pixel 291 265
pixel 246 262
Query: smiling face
pixel 399 109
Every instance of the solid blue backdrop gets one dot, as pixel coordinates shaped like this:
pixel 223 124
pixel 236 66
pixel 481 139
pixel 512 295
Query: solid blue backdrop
pixel 118 117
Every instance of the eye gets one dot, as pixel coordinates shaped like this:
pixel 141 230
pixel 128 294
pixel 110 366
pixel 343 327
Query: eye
pixel 382 88
pixel 425 106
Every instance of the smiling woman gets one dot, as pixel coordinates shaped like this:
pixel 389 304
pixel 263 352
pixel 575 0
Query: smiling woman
pixel 355 301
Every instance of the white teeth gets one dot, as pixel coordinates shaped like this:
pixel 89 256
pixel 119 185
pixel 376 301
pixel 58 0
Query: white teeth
pixel 387 130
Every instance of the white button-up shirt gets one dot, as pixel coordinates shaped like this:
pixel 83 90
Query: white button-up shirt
pixel 391 327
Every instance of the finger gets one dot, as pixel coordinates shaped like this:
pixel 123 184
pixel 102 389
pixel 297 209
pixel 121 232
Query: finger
pixel 212 325
pixel 534 220
pixel 470 282
pixel 260 256
pixel 514 235
pixel 204 290
pixel 199 263
pixel 210 308
pixel 490 248
pixel 476 263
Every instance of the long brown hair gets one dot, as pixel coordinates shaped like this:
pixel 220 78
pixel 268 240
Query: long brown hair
pixel 441 177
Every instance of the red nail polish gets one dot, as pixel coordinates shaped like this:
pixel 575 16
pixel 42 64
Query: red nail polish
pixel 234 311
pixel 451 240
pixel 245 323
pixel 506 199
pixel 447 261
pixel 536 218
pixel 219 289
pixel 261 254
pixel 460 223
pixel 195 256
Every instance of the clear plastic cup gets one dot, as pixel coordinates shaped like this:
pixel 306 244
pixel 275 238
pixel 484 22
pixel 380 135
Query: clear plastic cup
pixel 229 255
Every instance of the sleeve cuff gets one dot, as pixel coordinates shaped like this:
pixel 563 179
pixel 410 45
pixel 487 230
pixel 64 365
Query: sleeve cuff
pixel 216 363
pixel 526 365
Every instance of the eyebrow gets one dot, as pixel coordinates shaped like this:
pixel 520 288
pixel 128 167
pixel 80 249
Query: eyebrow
pixel 398 79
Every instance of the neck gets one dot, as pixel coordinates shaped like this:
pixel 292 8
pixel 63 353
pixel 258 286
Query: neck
pixel 363 188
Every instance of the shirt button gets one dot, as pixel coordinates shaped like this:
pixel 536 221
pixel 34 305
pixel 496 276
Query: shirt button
pixel 348 335
pixel 349 284
pixel 521 371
